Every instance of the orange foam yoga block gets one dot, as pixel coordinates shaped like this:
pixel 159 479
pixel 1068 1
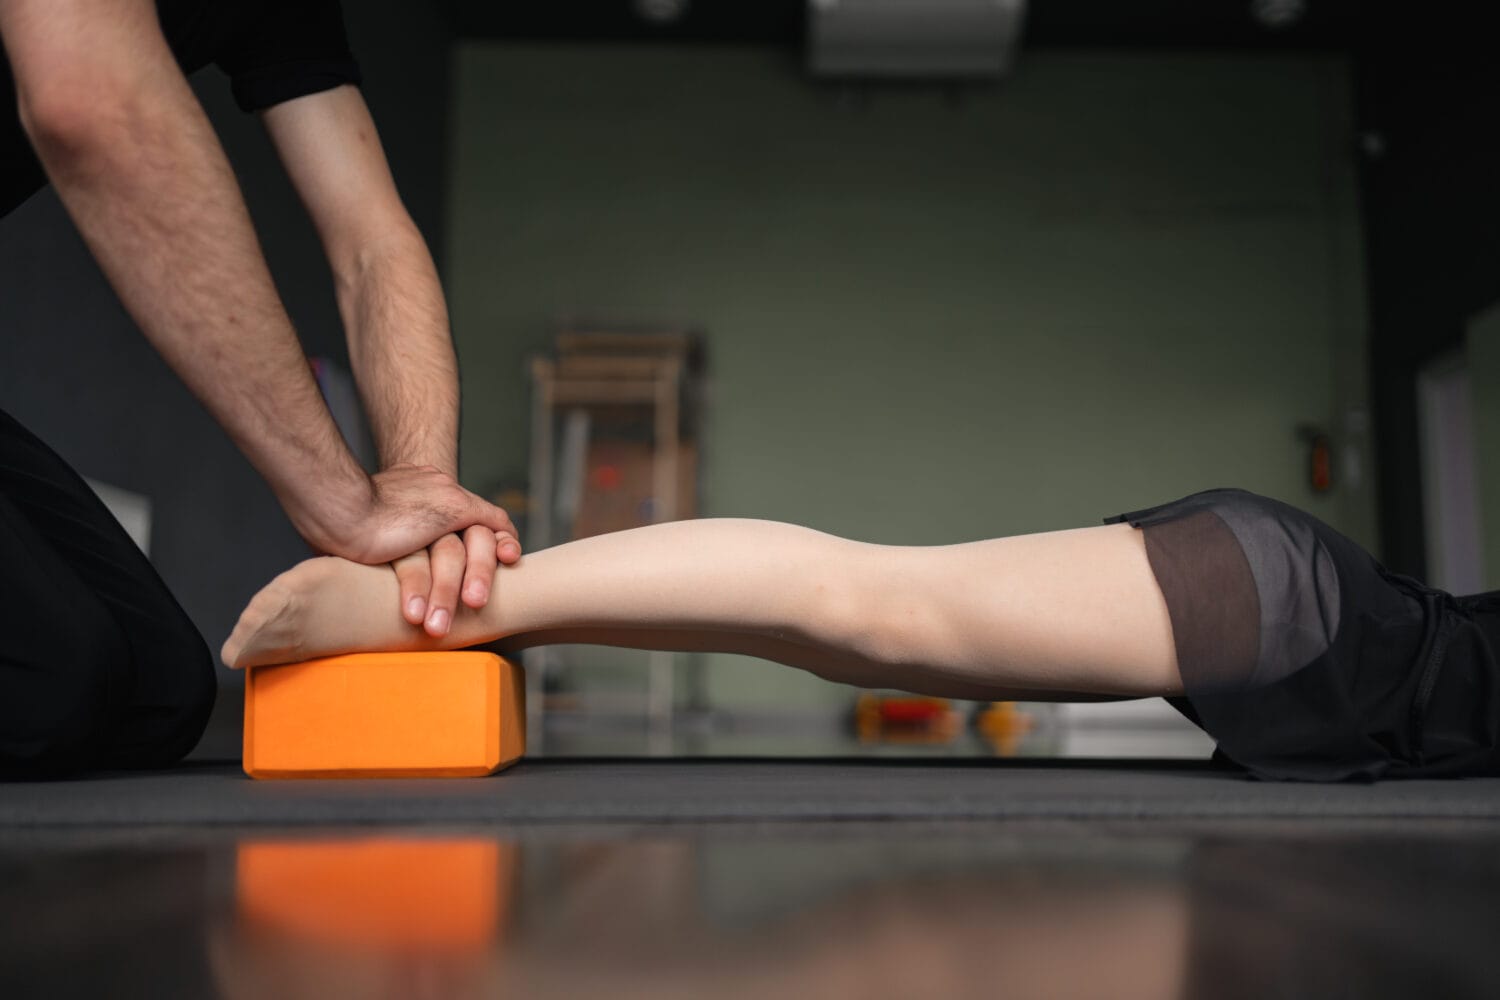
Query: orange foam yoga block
pixel 385 715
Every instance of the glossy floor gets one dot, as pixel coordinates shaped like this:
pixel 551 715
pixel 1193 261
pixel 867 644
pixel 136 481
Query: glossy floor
pixel 868 911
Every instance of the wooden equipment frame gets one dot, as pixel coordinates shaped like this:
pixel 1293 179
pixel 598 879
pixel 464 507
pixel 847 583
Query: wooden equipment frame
pixel 611 369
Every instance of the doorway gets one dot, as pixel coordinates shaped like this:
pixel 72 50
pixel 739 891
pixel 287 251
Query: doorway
pixel 1451 513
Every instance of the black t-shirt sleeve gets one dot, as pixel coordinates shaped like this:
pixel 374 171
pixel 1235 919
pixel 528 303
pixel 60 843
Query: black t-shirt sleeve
pixel 287 49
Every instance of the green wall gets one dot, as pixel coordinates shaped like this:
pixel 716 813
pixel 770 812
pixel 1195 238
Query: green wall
pixel 931 316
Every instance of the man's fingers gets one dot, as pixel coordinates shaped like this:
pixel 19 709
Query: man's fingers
pixel 448 561
pixel 479 573
pixel 487 514
pixel 507 545
pixel 416 581
pixel 507 548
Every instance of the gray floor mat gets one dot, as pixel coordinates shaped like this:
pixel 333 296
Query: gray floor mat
pixel 718 790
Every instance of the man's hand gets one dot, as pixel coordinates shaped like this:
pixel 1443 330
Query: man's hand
pixel 453 568
pixel 413 507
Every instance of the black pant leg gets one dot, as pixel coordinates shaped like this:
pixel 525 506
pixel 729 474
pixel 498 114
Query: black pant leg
pixel 158 672
pixel 63 658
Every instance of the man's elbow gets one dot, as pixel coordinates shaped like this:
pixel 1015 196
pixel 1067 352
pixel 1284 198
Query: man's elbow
pixel 367 250
pixel 69 121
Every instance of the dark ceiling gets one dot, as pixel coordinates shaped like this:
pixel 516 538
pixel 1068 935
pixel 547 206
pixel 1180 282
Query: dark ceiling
pixel 1321 24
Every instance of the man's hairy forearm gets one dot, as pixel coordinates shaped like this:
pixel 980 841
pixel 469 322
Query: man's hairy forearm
pixel 400 348
pixel 150 189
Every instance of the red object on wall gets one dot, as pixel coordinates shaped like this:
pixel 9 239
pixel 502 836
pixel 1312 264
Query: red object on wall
pixel 1321 464
pixel 606 477
pixel 1319 457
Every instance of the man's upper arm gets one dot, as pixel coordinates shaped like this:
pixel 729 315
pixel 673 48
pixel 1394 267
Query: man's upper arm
pixel 333 155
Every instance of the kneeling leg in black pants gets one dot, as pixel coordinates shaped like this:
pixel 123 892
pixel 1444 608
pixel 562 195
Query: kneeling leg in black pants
pixel 99 665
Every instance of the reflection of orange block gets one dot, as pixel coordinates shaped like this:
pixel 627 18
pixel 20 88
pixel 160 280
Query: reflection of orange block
pixel 385 715
pixel 386 893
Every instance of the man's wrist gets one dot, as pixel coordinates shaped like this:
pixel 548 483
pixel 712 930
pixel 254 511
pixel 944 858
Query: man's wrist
pixel 332 516
pixel 442 459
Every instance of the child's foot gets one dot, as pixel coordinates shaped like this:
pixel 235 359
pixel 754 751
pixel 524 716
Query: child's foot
pixel 322 607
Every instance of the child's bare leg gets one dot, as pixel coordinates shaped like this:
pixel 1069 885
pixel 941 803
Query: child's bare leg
pixel 839 666
pixel 1073 611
